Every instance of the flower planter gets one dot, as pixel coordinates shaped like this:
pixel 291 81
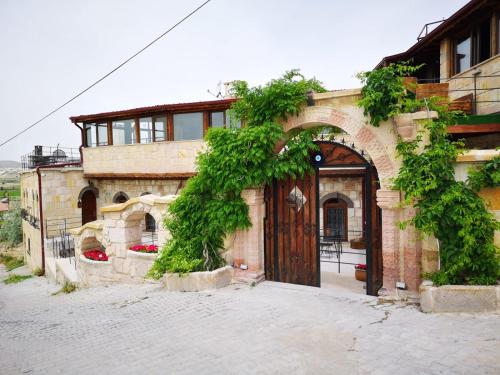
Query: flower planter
pixel 92 272
pixel 147 249
pixel 198 281
pixel 360 275
pixel 360 272
pixel 139 263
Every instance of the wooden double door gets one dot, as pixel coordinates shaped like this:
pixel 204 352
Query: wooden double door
pixel 292 253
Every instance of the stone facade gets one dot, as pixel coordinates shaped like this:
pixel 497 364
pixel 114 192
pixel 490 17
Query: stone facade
pixel 352 189
pixel 150 158
pixel 487 77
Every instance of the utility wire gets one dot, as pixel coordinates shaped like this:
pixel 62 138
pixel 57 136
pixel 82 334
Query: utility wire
pixel 107 74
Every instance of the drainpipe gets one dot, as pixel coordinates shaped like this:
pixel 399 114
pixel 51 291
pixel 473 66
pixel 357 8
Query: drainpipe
pixel 40 203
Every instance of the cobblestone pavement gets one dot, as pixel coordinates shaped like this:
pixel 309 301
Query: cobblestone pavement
pixel 268 329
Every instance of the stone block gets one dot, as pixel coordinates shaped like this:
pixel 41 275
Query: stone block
pixel 459 298
pixel 198 281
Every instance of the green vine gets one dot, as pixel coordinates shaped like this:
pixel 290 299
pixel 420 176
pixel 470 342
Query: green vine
pixel 448 209
pixel 486 176
pixel 384 94
pixel 210 206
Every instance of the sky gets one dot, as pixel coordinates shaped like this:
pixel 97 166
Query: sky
pixel 52 49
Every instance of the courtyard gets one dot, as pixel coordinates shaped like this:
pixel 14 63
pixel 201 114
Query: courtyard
pixel 270 328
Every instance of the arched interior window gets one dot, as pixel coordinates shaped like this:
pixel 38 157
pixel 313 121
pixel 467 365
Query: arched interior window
pixel 150 223
pixel 335 218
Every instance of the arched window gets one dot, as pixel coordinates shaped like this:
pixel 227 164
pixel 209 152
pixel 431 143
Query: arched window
pixel 150 223
pixel 120 197
pixel 335 218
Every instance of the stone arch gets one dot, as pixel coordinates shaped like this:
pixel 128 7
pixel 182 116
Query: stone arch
pixel 350 203
pixel 91 188
pixel 360 132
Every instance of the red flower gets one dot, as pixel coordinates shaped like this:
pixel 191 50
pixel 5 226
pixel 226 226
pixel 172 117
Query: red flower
pixel 144 248
pixel 96 254
pixel 360 267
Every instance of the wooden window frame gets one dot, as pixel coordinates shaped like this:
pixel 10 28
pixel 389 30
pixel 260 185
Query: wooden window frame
pixel 339 204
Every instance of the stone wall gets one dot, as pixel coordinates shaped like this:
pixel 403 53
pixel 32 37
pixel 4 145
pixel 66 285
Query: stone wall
pixel 155 158
pixel 108 188
pixel 31 235
pixel 487 78
pixel 353 189
pixel 117 232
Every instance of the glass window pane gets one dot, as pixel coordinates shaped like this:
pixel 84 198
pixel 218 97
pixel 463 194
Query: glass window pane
pixel 217 119
pixel 160 129
pixel 90 130
pixel 146 126
pixel 188 126
pixel 102 134
pixel 463 55
pixel 231 122
pixel 124 132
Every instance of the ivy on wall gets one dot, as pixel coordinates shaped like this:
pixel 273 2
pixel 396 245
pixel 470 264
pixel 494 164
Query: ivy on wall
pixel 210 206
pixel 448 209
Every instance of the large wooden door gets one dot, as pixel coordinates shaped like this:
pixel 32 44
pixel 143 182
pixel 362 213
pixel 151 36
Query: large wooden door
pixel 292 253
pixel 89 207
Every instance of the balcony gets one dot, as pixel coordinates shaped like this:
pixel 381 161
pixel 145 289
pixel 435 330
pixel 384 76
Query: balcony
pixel 46 155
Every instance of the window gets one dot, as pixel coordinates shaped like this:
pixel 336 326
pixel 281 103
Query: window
pixel 188 126
pixel 474 47
pixel 90 135
pixel 102 134
pixel 146 129
pixel 217 120
pixel 231 122
pixel 160 129
pixel 124 132
pixel 120 197
pixel 463 55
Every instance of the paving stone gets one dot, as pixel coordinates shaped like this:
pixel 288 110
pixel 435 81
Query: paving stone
pixel 268 329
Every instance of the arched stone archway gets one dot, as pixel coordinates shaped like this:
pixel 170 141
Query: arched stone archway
pixel 363 134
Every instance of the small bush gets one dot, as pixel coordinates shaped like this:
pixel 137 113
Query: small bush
pixel 68 287
pixel 14 279
pixel 11 262
pixel 11 232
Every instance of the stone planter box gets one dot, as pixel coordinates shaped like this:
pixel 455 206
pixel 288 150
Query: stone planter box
pixel 139 263
pixel 92 272
pixel 459 298
pixel 198 281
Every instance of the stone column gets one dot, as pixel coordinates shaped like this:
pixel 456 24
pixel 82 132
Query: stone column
pixel 248 246
pixel 388 201
pixel 412 250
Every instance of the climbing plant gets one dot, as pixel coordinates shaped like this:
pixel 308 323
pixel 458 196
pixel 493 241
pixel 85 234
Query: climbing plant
pixel 448 209
pixel 210 206
pixel 384 94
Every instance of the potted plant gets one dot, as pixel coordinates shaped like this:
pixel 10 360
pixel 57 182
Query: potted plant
pixel 360 272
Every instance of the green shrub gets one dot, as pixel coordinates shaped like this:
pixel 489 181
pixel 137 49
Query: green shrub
pixel 211 206
pixel 11 262
pixel 11 232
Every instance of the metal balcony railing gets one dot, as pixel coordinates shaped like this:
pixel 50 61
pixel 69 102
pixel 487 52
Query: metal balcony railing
pixel 48 155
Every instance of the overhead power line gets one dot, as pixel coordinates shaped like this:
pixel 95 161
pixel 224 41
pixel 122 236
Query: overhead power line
pixel 106 75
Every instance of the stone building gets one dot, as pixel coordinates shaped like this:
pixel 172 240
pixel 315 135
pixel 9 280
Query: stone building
pixel 309 230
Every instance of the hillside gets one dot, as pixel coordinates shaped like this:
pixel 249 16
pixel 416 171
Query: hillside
pixel 9 164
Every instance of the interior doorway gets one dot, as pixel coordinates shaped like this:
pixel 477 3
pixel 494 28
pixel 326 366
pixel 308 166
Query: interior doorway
pixel 319 227
pixel 89 206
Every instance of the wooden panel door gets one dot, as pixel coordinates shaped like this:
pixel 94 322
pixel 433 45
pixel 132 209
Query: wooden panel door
pixel 292 254
pixel 89 207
